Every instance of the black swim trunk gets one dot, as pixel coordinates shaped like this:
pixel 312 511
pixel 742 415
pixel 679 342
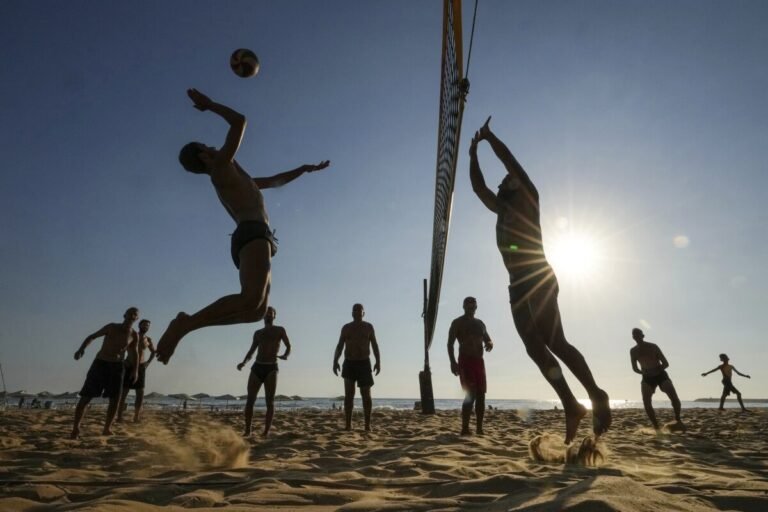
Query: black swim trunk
pixel 140 381
pixel 248 231
pixel 728 387
pixel 656 380
pixel 105 378
pixel 359 371
pixel 262 370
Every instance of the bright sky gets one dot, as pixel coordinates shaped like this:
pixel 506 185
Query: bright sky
pixel 644 126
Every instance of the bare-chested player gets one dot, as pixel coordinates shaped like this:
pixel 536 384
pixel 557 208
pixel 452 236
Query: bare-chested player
pixel 357 339
pixel 253 244
pixel 653 366
pixel 144 343
pixel 727 370
pixel 105 376
pixel 266 343
pixel 473 339
pixel 533 287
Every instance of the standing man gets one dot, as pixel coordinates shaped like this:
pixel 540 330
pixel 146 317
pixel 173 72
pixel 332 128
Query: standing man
pixel 144 343
pixel 533 286
pixel 253 244
pixel 653 366
pixel 727 370
pixel 105 377
pixel 266 343
pixel 473 338
pixel 356 339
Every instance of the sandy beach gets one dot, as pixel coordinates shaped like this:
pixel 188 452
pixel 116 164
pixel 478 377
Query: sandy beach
pixel 178 460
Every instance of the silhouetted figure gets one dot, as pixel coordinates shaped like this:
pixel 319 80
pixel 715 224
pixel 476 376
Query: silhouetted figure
pixel 253 243
pixel 356 340
pixel 105 377
pixel 144 343
pixel 473 339
pixel 727 370
pixel 266 343
pixel 533 287
pixel 653 366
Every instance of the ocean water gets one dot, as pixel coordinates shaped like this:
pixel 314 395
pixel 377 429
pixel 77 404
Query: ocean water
pixel 324 403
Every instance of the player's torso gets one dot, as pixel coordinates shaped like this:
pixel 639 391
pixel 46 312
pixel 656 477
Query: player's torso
pixel 518 226
pixel 357 337
pixel 115 343
pixel 240 195
pixel 647 355
pixel 470 333
pixel 269 344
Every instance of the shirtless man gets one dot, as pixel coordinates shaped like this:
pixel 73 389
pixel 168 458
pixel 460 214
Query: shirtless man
pixel 533 286
pixel 105 377
pixel 473 338
pixel 356 339
pixel 253 244
pixel 727 370
pixel 653 367
pixel 144 343
pixel 266 343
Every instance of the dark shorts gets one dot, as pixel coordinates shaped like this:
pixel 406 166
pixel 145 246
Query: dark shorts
pixel 105 378
pixel 248 231
pixel 359 371
pixel 728 387
pixel 140 381
pixel 472 374
pixel 262 370
pixel 656 380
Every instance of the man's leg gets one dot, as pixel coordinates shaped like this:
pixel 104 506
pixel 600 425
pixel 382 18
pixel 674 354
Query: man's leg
pixel 114 401
pixel 669 389
pixel 466 411
pixel 349 402
pixel 726 392
pixel 738 397
pixel 270 386
pixel 245 307
pixel 647 392
pixel 549 321
pixel 549 367
pixel 79 413
pixel 253 390
pixel 123 403
pixel 365 393
pixel 480 412
pixel 139 404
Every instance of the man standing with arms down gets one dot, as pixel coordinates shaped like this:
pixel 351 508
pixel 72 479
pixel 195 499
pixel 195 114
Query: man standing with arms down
pixel 253 244
pixel 266 343
pixel 533 287
pixel 105 376
pixel 473 339
pixel 144 343
pixel 653 366
pixel 356 339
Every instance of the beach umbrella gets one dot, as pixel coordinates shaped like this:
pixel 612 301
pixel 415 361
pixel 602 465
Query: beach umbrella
pixel 67 395
pixel 182 396
pixel 44 394
pixel 22 394
pixel 297 398
pixel 200 396
pixel 154 396
pixel 282 398
pixel 226 399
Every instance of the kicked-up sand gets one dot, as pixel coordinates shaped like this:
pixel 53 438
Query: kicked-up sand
pixel 178 460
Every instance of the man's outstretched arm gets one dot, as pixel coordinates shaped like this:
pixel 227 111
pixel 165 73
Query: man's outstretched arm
pixel 285 177
pixel 235 119
pixel 742 374
pixel 504 154
pixel 87 341
pixel 476 177
pixel 710 371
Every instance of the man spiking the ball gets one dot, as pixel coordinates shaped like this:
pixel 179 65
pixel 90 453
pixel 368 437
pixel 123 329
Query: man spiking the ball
pixel 253 243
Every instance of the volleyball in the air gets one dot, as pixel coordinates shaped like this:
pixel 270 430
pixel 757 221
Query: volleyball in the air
pixel 244 63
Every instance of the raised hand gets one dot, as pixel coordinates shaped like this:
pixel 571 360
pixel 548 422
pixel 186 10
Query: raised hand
pixel 318 167
pixel 485 130
pixel 201 101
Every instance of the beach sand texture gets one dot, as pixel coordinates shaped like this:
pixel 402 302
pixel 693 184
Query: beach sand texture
pixel 176 460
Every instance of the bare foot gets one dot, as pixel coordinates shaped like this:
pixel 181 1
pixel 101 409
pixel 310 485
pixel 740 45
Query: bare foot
pixel 465 432
pixel 573 416
pixel 107 432
pixel 480 432
pixel 247 433
pixel 170 338
pixel 75 433
pixel 601 413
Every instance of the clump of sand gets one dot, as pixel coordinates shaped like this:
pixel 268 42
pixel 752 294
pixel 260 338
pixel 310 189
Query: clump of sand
pixel 552 448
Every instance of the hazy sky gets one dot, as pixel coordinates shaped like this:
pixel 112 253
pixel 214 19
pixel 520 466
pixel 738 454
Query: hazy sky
pixel 644 126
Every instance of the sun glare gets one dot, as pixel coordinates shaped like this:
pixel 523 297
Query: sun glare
pixel 574 255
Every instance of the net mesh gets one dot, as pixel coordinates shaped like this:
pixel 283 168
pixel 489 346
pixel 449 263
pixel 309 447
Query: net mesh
pixel 449 128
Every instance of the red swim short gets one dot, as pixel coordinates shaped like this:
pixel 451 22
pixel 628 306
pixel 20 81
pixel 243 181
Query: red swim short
pixel 472 373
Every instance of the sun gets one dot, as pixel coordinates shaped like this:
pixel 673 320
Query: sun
pixel 574 254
